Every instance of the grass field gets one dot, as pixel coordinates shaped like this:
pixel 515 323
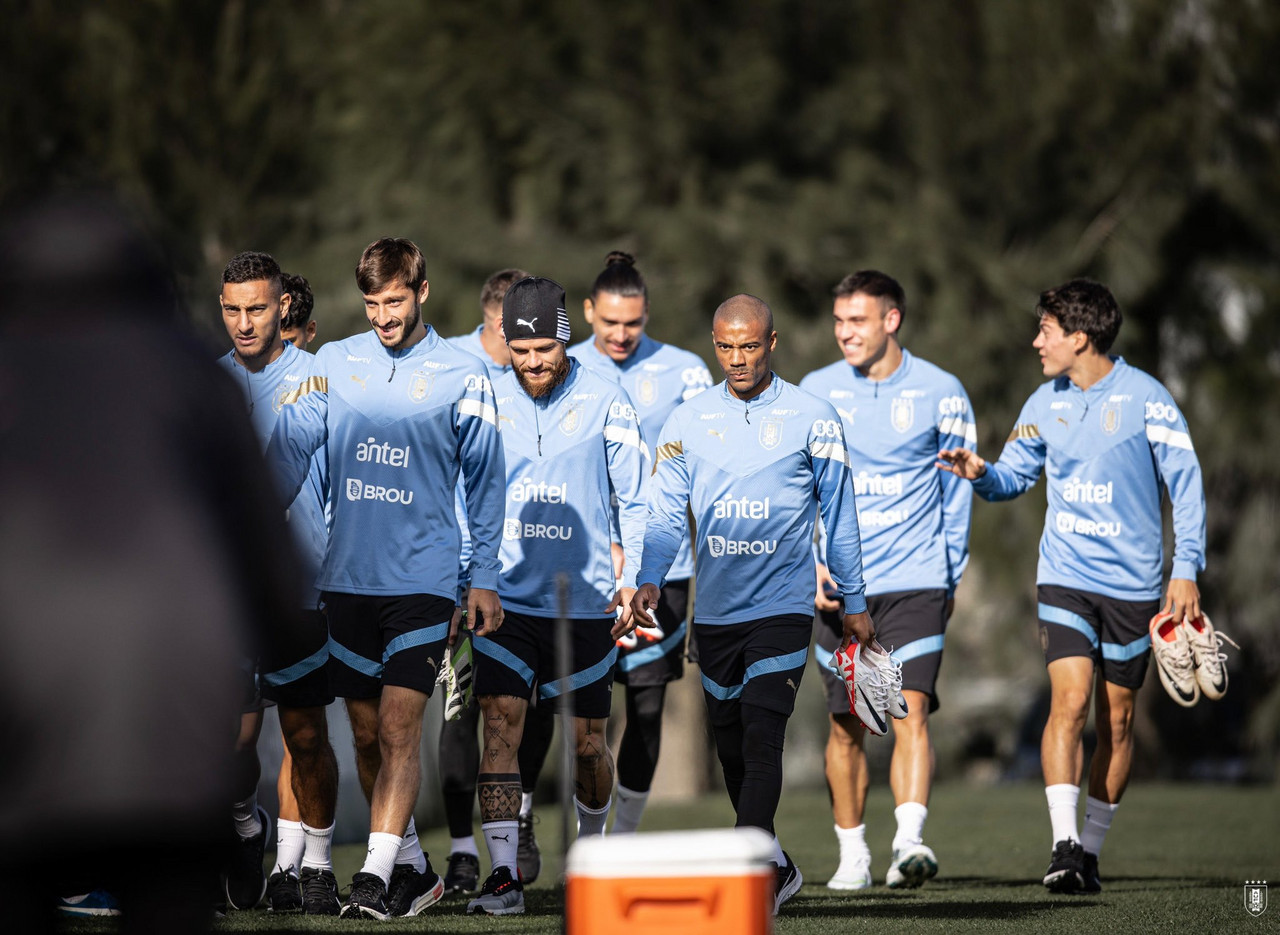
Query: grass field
pixel 1176 861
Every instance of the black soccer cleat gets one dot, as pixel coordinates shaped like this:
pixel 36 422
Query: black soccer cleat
pixel 1066 868
pixel 528 857
pixel 1089 873
pixel 462 875
pixel 368 898
pixel 320 892
pixel 284 892
pixel 246 879
pixel 411 892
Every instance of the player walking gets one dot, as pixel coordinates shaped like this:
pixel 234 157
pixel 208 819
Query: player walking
pixel 755 458
pixel 914 527
pixel 572 443
pixel 400 413
pixel 271 372
pixel 1110 440
pixel 658 377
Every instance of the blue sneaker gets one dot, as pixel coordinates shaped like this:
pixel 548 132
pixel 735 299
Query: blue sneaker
pixel 97 903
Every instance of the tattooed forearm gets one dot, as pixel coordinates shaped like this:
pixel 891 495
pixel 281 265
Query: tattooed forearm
pixel 499 796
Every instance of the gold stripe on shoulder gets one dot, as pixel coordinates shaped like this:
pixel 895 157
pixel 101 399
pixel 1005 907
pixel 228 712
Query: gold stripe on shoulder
pixel 1030 430
pixel 309 385
pixel 667 451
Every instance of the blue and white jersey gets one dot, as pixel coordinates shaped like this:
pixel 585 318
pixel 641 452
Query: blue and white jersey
pixel 266 392
pixel 755 474
pixel 913 518
pixel 470 342
pixel 568 455
pixel 1108 453
pixel 658 377
pixel 397 427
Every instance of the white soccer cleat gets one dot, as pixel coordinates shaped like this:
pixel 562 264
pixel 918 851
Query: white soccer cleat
pixel 1174 661
pixel 911 867
pixel 854 873
pixel 867 685
pixel 1210 663
pixel 892 670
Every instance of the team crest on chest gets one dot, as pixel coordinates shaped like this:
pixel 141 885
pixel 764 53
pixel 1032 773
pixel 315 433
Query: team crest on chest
pixel 420 384
pixel 282 391
pixel 571 421
pixel 646 390
pixel 770 433
pixel 902 414
pixel 1110 417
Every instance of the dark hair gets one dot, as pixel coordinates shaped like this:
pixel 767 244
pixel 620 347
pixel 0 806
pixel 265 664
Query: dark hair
pixel 620 277
pixel 251 266
pixel 1084 305
pixel 389 260
pixel 496 286
pixel 876 284
pixel 301 301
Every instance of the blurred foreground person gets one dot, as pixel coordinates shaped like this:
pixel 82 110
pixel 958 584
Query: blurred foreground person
pixel 1110 441
pixel 141 551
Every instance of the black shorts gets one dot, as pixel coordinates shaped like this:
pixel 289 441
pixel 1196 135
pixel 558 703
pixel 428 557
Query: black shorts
pixel 522 654
pixel 1111 632
pixel 303 681
pixel 757 662
pixel 655 655
pixel 377 640
pixel 911 625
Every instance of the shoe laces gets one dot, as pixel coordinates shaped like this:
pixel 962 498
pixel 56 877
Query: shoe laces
pixel 368 889
pixel 1177 658
pixel 1207 643
pixel 314 885
pixel 498 883
pixel 876 677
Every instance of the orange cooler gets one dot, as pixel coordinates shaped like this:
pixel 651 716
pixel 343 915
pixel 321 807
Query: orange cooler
pixel 671 883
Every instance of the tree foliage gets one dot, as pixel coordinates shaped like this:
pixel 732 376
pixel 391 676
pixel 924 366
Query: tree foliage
pixel 980 152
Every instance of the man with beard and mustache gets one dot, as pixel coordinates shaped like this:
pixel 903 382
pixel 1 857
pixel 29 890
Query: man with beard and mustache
pixel 401 413
pixel 572 444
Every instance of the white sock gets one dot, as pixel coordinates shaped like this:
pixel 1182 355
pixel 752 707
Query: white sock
pixel 411 849
pixel 465 845
pixel 778 858
pixel 526 804
pixel 911 816
pixel 1097 822
pixel 380 859
pixel 319 847
pixel 245 815
pixel 590 820
pixel 628 806
pixel 1064 803
pixel 502 838
pixel 853 843
pixel 290 843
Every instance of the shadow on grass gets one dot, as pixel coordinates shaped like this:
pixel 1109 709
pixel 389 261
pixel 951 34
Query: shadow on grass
pixel 975 909
pixel 1145 882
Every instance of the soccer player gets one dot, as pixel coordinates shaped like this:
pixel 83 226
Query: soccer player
pixel 1110 440
pixel 658 377
pixel 914 526
pixel 755 458
pixel 399 413
pixel 572 442
pixel 459 744
pixel 270 371
pixel 298 327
